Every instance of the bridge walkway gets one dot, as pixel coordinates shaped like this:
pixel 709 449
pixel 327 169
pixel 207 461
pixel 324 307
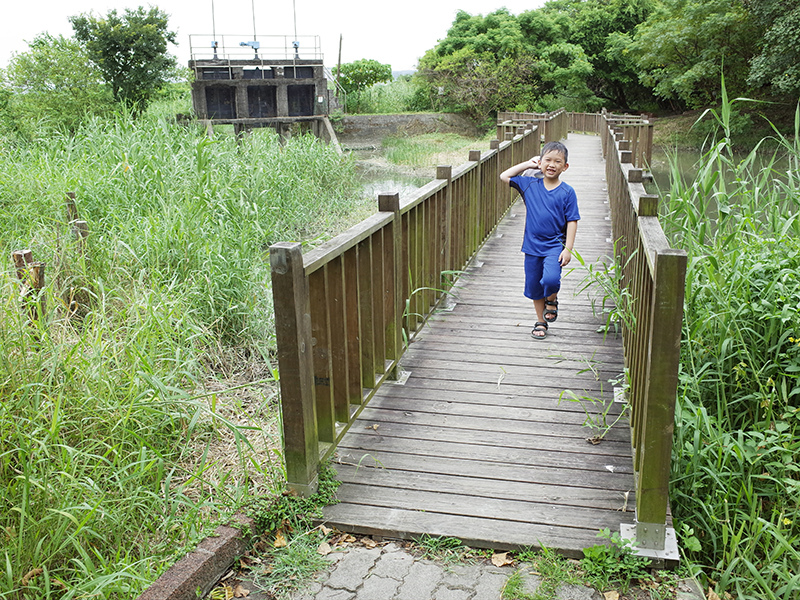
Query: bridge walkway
pixel 481 442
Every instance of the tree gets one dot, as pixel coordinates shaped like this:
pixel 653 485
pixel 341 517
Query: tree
pixel 683 45
pixel 477 84
pixel 595 26
pixel 498 32
pixel 130 50
pixel 362 74
pixel 778 63
pixel 53 82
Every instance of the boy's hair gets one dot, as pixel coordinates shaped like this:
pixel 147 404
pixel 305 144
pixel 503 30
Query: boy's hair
pixel 557 147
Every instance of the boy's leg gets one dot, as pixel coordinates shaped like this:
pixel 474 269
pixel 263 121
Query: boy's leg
pixel 534 268
pixel 551 284
pixel 538 305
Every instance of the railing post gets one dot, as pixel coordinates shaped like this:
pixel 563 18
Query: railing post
pixel 446 172
pixel 295 365
pixel 661 384
pixel 394 282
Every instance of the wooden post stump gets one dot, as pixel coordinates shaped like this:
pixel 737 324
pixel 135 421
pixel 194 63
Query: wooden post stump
pixel 31 275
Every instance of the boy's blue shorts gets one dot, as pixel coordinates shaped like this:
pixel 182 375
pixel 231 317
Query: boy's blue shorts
pixel 542 276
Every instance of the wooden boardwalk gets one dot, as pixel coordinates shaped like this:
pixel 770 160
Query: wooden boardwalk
pixel 476 444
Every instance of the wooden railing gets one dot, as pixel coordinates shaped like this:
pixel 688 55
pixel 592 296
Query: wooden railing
pixel 552 126
pixel 635 130
pixel 345 311
pixel 654 275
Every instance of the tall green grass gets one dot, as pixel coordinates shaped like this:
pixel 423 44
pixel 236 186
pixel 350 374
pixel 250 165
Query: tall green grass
pixel 736 463
pixel 103 410
pixel 399 95
pixel 420 150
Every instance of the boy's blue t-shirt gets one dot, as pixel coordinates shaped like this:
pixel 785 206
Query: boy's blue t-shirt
pixel 547 214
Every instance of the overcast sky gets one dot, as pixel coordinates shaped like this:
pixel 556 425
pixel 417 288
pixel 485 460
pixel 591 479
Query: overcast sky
pixel 396 33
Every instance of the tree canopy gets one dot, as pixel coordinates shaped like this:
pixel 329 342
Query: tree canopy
pixel 541 59
pixel 778 63
pixel 361 74
pixel 682 50
pixel 55 83
pixel 130 50
pixel 622 54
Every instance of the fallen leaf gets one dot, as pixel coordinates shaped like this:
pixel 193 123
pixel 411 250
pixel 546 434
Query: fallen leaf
pixel 33 573
pixel 240 592
pixel 712 595
pixel 280 540
pixel 502 559
pixel 375 427
pixel 369 542
pixel 324 549
pixel 612 595
pixel 325 530
pixel 348 539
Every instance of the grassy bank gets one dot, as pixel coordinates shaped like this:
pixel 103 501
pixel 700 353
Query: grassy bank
pixel 736 482
pixel 151 346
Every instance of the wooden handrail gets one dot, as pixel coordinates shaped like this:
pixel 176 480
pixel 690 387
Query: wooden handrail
pixel 552 126
pixel 346 311
pixel 654 274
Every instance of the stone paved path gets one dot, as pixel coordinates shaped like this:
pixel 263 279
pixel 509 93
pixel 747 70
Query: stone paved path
pixel 389 572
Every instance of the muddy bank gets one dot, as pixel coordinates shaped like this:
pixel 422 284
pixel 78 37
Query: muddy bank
pixel 363 135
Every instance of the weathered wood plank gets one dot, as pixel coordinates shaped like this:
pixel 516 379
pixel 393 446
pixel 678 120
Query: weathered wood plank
pixel 482 487
pixel 556 467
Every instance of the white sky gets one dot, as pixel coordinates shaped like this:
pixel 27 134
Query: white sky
pixel 396 33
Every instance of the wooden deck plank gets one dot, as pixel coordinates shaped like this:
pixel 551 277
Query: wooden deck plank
pixel 476 444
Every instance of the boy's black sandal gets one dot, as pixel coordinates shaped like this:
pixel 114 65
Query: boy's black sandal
pixel 550 312
pixel 539 326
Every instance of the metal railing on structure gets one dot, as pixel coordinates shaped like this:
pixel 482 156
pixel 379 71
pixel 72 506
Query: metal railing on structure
pixel 263 48
pixel 339 93
pixel 345 311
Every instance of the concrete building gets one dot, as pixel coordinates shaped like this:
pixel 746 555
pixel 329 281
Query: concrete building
pixel 272 81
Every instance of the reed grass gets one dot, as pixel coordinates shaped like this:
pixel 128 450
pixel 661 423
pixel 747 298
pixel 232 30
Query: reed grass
pixel 419 150
pixel 736 480
pixel 398 96
pixel 105 469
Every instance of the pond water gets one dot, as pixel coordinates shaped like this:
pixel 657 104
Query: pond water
pixel 687 165
pixel 385 180
pixel 377 181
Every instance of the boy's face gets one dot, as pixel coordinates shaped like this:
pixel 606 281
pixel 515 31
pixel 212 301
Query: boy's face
pixel 553 164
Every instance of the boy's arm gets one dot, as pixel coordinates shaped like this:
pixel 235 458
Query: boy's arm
pixel 506 175
pixel 569 243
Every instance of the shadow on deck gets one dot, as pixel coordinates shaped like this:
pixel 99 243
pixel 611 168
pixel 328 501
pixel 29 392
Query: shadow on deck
pixel 481 442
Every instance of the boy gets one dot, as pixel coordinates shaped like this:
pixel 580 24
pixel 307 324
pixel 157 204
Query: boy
pixel 550 225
